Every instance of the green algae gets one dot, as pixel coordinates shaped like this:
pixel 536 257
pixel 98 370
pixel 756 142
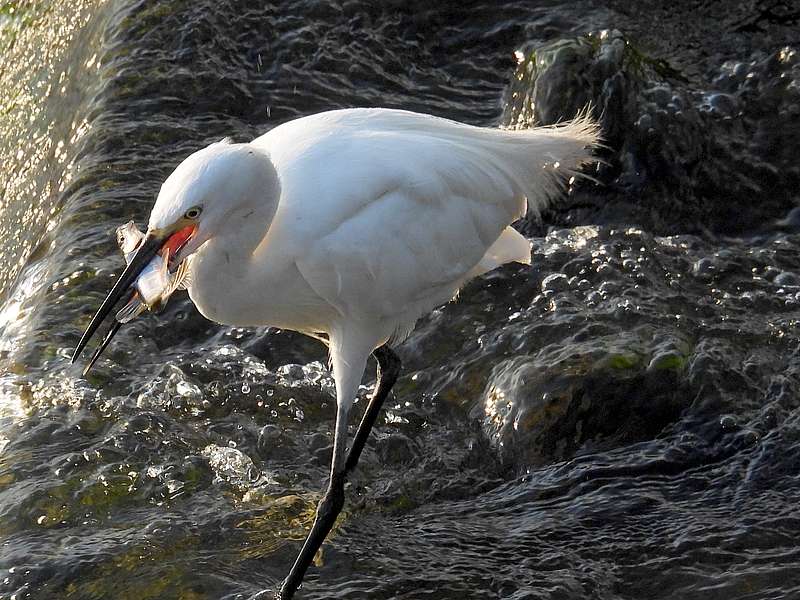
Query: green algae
pixel 280 519
pixel 150 571
pixel 623 361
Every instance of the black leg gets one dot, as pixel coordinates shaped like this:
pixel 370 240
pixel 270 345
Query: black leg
pixel 328 509
pixel 388 370
pixel 333 500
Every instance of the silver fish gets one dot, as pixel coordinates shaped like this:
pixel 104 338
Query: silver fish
pixel 155 284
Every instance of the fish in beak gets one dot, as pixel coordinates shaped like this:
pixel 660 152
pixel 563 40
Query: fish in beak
pixel 148 273
pixel 155 284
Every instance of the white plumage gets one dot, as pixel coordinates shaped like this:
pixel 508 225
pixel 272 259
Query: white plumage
pixel 356 222
pixel 380 216
pixel 352 223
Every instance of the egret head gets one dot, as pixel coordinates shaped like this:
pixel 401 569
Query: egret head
pixel 212 189
pixel 215 190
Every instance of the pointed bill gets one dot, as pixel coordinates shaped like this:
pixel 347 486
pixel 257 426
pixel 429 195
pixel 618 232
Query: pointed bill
pixel 149 247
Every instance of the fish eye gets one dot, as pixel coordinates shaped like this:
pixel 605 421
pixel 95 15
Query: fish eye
pixel 193 212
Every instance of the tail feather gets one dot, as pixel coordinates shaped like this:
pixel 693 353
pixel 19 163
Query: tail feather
pixel 528 168
pixel 557 154
pixel 541 162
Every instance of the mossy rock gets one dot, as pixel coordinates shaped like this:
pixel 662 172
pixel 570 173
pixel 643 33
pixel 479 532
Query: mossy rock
pixel 603 392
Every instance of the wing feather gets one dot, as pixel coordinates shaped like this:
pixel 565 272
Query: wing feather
pixel 402 208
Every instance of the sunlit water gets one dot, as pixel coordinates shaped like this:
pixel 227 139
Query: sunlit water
pixel 619 420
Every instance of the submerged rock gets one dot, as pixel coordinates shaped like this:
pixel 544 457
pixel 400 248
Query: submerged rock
pixel 596 393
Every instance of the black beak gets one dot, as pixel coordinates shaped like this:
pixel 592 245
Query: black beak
pixel 149 248
pixel 99 350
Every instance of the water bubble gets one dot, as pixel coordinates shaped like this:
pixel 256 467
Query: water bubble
pixel 557 282
pixel 787 279
pixel 605 269
pixel 644 122
pixel 661 95
pixel 608 287
pixel 629 264
pixel 231 465
pixel 593 298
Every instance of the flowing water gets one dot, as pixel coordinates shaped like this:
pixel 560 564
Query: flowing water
pixel 619 420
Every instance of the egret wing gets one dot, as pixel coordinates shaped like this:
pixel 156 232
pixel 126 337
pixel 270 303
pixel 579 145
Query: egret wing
pixel 389 211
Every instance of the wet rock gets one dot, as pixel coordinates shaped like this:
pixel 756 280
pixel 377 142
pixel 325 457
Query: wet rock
pixel 787 278
pixel 791 222
pixel 683 156
pixel 704 268
pixel 557 282
pixel 547 406
pixel 394 449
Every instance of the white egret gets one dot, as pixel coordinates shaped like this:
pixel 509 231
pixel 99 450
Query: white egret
pixel 351 224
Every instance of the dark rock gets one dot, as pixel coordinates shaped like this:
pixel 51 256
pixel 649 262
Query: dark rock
pixel 394 449
pixel 682 157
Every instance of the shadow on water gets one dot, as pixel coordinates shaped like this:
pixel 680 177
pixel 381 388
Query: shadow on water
pixel 618 420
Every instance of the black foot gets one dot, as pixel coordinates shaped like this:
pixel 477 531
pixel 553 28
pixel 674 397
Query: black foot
pixel 328 509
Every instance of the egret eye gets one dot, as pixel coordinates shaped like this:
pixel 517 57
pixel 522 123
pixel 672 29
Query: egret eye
pixel 193 212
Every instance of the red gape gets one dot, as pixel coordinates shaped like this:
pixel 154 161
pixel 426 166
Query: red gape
pixel 177 240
